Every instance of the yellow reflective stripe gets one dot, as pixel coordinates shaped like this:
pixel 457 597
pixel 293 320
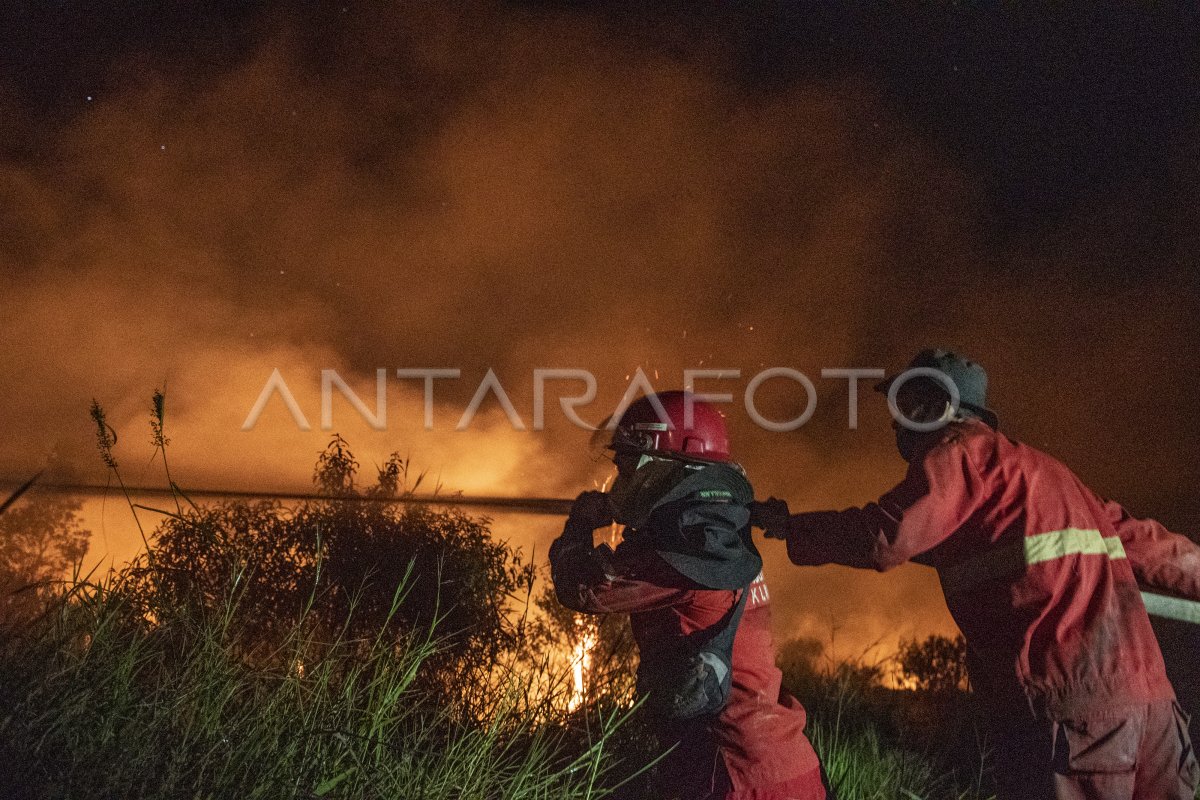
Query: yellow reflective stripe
pixel 1115 548
pixel 1069 542
pixel 1010 561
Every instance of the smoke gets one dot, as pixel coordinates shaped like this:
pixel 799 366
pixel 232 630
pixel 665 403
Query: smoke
pixel 512 191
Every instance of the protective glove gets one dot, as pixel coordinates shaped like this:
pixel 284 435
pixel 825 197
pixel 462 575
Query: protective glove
pixel 772 516
pixel 591 510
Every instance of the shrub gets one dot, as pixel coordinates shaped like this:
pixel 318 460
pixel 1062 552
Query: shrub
pixel 41 541
pixel 342 563
pixel 937 664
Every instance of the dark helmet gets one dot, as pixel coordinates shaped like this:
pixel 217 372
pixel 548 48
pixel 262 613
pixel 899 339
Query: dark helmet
pixel 967 376
pixel 658 423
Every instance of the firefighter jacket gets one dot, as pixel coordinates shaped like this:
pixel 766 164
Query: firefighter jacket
pixel 758 738
pixel 1041 575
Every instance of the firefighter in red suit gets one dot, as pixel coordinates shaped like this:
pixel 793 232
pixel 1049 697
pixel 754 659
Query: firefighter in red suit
pixel 689 576
pixel 1042 576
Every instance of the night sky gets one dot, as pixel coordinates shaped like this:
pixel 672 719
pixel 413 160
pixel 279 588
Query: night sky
pixel 197 194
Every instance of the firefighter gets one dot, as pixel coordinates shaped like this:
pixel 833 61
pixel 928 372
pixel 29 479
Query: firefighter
pixel 688 574
pixel 1041 576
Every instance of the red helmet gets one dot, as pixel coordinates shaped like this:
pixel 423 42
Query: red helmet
pixel 642 427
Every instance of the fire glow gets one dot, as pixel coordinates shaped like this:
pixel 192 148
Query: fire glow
pixel 581 661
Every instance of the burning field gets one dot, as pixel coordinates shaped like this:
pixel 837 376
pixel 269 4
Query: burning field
pixel 200 199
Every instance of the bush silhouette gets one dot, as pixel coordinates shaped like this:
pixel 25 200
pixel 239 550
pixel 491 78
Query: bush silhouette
pixel 342 562
pixel 937 664
pixel 41 540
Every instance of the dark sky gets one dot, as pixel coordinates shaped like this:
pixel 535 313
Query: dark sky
pixel 1049 108
pixel 363 185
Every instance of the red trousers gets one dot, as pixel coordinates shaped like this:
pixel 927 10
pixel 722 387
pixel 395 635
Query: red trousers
pixel 696 770
pixel 1138 753
pixel 804 787
pixel 708 780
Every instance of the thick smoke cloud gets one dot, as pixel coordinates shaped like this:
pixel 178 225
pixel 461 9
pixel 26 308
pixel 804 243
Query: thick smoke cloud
pixel 513 191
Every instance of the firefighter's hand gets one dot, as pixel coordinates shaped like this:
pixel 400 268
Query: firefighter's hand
pixel 772 516
pixel 592 510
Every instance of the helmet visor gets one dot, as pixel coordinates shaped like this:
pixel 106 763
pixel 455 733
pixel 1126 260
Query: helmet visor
pixel 608 440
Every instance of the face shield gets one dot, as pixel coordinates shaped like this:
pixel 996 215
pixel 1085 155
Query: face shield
pixel 618 449
pixel 602 452
pixel 642 476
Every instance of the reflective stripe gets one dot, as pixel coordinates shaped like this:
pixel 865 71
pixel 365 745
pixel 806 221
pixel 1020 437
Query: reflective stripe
pixel 1070 542
pixel 1172 608
pixel 1011 561
pixel 1116 550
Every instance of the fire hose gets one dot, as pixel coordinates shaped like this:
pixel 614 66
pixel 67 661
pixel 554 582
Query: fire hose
pixel 1157 605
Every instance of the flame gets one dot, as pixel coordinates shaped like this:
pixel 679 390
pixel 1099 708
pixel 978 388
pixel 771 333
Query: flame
pixel 581 661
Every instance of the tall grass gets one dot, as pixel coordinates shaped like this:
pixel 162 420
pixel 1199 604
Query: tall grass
pixel 261 652
pixel 98 701
pixel 878 743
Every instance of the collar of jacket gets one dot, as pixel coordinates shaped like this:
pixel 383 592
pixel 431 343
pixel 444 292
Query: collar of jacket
pixel 701 527
pixel 955 431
